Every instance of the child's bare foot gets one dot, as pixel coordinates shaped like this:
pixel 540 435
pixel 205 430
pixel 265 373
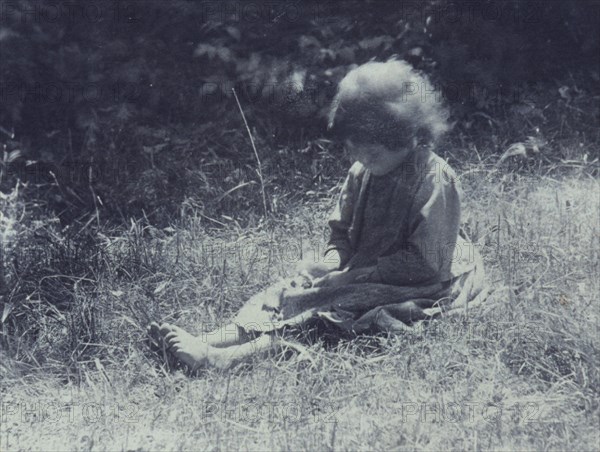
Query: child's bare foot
pixel 189 349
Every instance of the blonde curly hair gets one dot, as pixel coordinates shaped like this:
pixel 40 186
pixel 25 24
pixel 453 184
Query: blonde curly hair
pixel 388 103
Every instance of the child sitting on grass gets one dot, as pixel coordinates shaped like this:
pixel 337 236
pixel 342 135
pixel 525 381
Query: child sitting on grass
pixel 399 257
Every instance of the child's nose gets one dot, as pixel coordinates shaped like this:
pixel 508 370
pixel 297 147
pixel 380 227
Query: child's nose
pixel 365 158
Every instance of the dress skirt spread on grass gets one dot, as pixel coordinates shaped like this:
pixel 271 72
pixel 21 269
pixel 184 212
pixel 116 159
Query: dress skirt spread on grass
pixel 406 224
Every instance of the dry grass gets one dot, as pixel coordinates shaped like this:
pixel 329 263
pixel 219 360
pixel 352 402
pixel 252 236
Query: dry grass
pixel 521 374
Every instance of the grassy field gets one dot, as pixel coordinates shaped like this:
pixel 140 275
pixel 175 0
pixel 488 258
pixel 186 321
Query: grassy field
pixel 521 373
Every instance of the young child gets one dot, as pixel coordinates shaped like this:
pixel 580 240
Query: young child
pixel 398 255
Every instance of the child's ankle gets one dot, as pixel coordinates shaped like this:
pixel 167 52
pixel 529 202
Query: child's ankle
pixel 216 358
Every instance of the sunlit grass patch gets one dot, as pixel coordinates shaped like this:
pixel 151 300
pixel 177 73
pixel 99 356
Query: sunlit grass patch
pixel 519 373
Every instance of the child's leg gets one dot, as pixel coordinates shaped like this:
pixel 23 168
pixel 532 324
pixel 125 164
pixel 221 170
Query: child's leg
pixel 235 354
pixel 196 352
pixel 227 335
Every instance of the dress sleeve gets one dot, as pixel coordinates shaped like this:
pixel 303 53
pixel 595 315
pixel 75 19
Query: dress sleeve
pixel 434 221
pixel 340 219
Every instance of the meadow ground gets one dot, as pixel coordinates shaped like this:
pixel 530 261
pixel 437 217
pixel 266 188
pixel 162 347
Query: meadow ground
pixel 521 373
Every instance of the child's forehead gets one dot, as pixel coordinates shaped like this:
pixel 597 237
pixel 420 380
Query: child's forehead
pixel 358 140
pixel 365 145
pixel 371 137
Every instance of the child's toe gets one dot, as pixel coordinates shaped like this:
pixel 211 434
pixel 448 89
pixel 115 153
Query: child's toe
pixel 166 328
pixel 170 337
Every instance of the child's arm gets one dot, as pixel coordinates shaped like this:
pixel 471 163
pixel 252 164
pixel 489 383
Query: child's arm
pixel 344 277
pixel 340 220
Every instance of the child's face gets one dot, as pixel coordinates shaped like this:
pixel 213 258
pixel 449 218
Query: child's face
pixel 376 157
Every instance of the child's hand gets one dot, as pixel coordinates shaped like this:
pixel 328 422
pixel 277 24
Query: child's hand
pixel 334 279
pixel 344 277
pixel 303 280
pixel 312 269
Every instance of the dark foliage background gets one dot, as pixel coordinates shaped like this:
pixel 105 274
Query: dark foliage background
pixel 125 107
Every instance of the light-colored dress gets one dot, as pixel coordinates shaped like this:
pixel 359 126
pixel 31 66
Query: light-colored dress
pixel 407 225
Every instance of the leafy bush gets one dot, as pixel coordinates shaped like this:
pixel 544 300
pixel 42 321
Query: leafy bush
pixel 139 94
